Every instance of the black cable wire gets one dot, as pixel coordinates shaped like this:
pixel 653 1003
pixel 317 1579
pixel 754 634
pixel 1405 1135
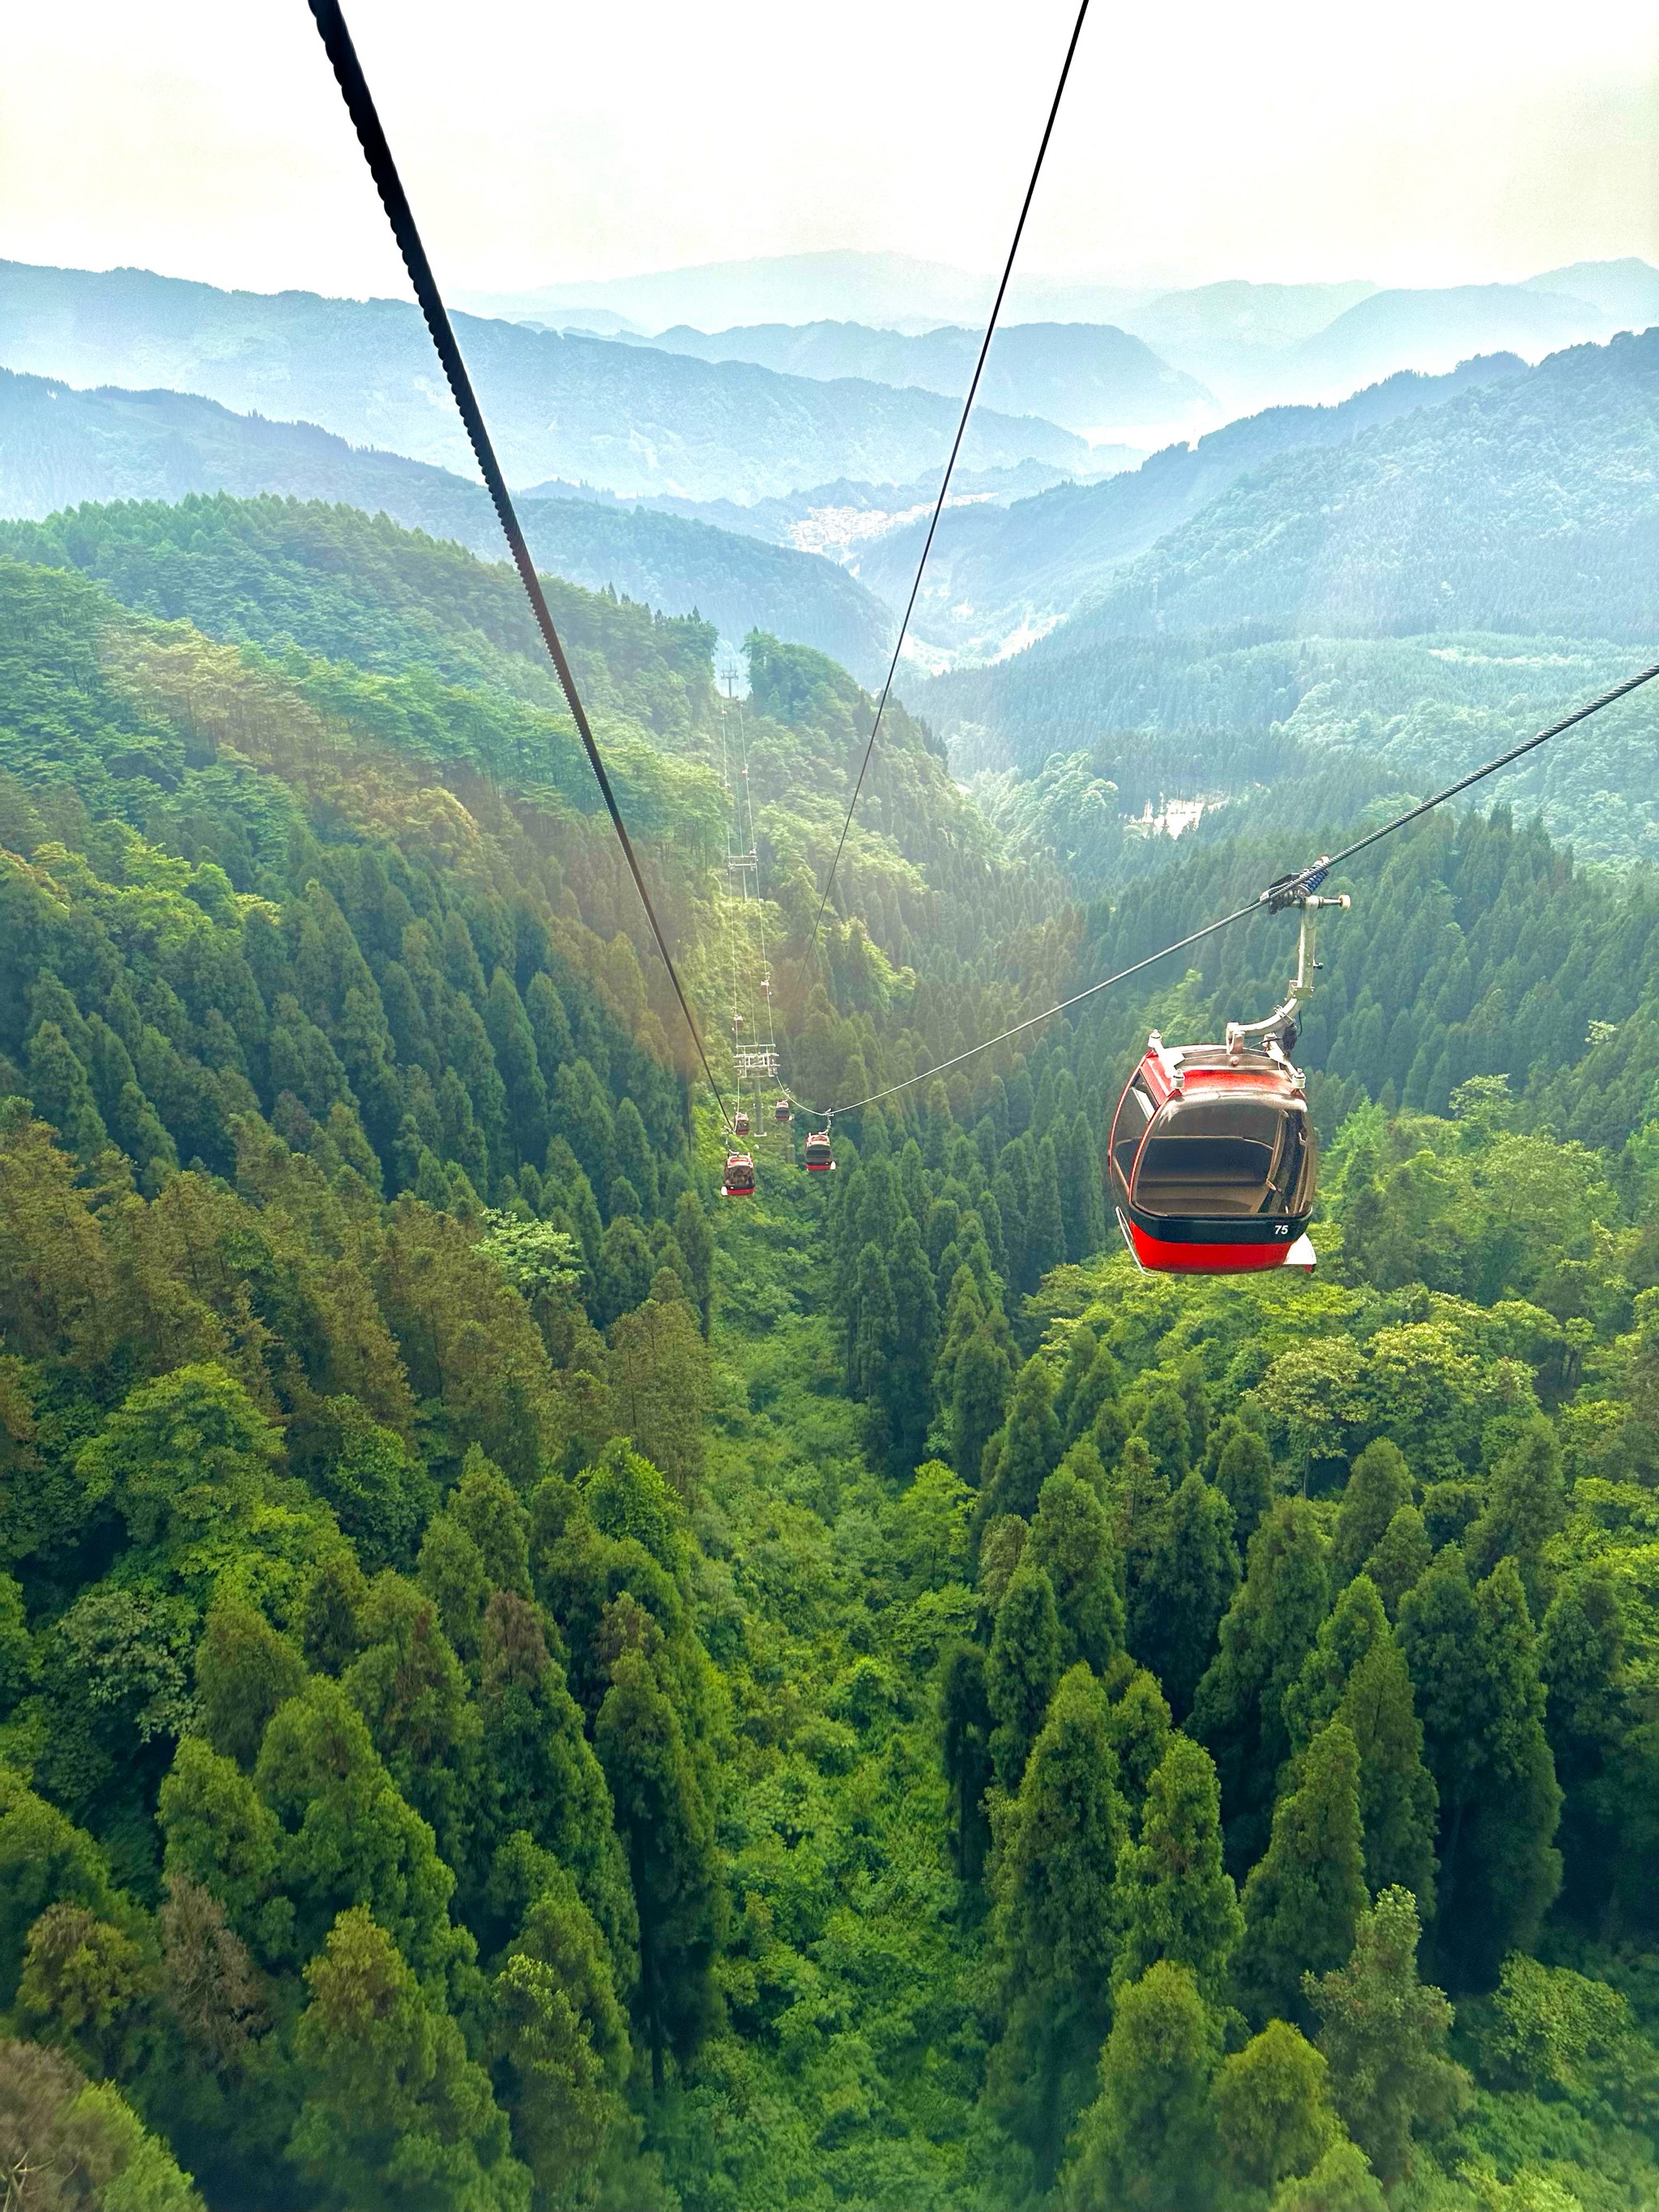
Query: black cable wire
pixel 1322 869
pixel 949 465
pixel 360 105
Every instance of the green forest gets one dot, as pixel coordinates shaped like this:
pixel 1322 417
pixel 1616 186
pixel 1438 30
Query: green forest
pixel 524 1687
pixel 1422 591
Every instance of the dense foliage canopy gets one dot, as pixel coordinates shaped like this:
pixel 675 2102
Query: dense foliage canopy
pixel 521 1687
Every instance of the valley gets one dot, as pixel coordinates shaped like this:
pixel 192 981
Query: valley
pixel 530 1681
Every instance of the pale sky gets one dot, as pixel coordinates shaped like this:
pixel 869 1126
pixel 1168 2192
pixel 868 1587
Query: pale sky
pixel 1419 142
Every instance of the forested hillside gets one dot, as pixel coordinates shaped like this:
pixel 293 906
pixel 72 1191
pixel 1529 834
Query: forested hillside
pixel 625 416
pixel 1434 329
pixel 1425 592
pixel 995 572
pixel 522 1687
pixel 60 448
pixel 1400 531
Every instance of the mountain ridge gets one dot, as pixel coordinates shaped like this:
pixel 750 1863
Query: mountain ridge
pixel 579 407
pixel 60 448
pixel 996 572
pixel 1088 377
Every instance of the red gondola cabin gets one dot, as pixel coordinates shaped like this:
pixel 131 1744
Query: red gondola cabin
pixel 739 1180
pixel 1212 1161
pixel 740 1122
pixel 780 1111
pixel 819 1158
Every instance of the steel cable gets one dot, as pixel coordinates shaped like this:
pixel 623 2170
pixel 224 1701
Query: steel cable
pixel 360 105
pixel 949 465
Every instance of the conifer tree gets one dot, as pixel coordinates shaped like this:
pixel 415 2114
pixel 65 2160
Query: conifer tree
pixel 1354 1623
pixel 1098 1388
pixel 634 1156
pixel 543 1779
pixel 394 2110
pixel 979 1397
pixel 346 1828
pixel 1581 1662
pixel 1473 1664
pixel 622 1277
pixel 1053 1926
pixel 1030 1444
pixel 244 1671
pixel 1526 1505
pixel 1244 1476
pixel 1045 1225
pixel 1274 2108
pixel 1140 1729
pixel 1238 1710
pixel 1022 1671
pixel 964 1310
pixel 1140 1494
pixel 668 1833
pixel 1398 1801
pixel 1379 1484
pixel 513 1043
pixel 1176 1900
pixel 1399 1559
pixel 965 1727
pixel 560 2040
pixel 658 1377
pixel 1080 1201
pixel 1303 1896
pixel 1183 1590
pixel 998 1555
pixel 908 1384
pixel 1080 1350
pixel 335 1596
pixel 1150 2138
pixel 1384 2034
pixel 873 1342
pixel 451 1570
pixel 696 1242
pixel 549 1025
pixel 1167 1428
pixel 62 1094
pixel 1071 1541
pixel 410 1688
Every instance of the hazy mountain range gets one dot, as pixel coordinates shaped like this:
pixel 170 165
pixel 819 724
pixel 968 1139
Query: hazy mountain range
pixel 634 418
pixel 841 517
pixel 998 576
pixel 1088 376
pixel 1421 589
pixel 709 470
pixel 60 448
pixel 1250 343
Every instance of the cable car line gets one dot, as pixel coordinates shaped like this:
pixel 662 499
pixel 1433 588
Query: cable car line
pixel 1296 889
pixel 949 465
pixel 360 105
pixel 1293 889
